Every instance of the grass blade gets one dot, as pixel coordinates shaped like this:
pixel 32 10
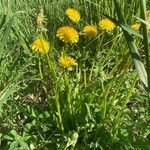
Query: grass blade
pixel 145 40
pixel 132 47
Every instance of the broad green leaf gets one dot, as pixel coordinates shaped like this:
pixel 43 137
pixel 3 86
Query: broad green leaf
pixel 14 145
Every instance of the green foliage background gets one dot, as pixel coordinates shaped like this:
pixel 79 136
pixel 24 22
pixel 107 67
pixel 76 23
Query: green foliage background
pixel 101 104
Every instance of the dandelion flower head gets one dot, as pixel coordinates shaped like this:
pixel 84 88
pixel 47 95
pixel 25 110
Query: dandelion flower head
pixel 90 31
pixel 136 26
pixel 68 34
pixel 67 62
pixel 73 14
pixel 106 24
pixel 40 46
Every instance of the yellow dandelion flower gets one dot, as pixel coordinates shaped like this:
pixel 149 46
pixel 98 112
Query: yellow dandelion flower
pixel 90 31
pixel 136 26
pixel 40 46
pixel 67 62
pixel 73 14
pixel 68 34
pixel 107 24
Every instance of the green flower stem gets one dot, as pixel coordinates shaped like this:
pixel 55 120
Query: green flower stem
pixel 51 67
pixel 58 106
pixel 43 84
pixel 84 77
pixel 68 94
pixel 120 113
pixel 44 87
pixel 40 70
pixel 118 85
pixel 91 72
pixel 107 91
pixel 101 38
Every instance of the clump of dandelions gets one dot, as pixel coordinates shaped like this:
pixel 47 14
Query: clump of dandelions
pixel 68 34
pixel 73 14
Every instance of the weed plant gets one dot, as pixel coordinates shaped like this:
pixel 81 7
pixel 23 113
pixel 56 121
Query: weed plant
pixel 76 79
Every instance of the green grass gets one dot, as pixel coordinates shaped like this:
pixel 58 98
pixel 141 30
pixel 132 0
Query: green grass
pixel 103 103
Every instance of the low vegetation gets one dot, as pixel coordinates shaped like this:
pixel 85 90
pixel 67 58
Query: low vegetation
pixel 74 75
